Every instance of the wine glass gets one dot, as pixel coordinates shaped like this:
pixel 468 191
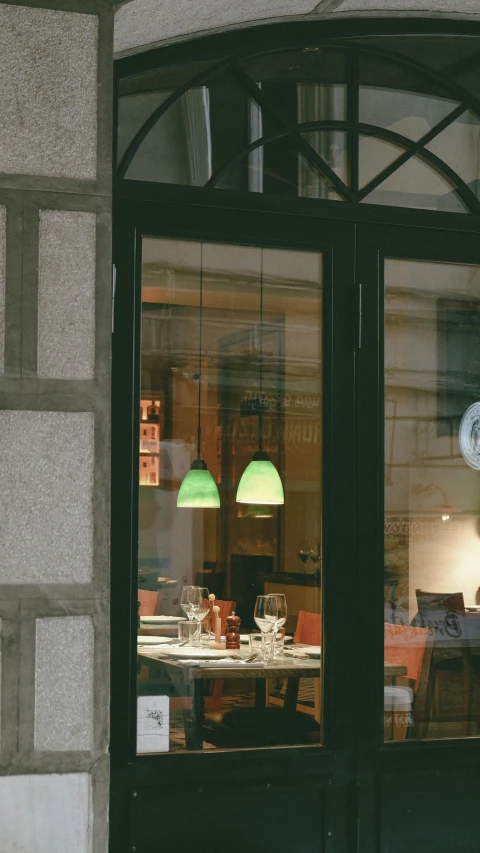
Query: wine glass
pixel 281 619
pixel 281 610
pixel 186 601
pixel 200 607
pixel 266 616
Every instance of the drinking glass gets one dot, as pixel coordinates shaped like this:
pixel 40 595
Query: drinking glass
pixel 200 607
pixel 186 601
pixel 187 631
pixel 265 616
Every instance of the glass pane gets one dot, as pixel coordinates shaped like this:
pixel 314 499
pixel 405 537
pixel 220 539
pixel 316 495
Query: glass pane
pixel 470 80
pixel 178 147
pixel 279 169
pixel 302 67
pixel 253 379
pixel 374 155
pixel 458 146
pixel 332 147
pixel 432 500
pixel 417 184
pixel 139 96
pixel 393 97
pixel 197 135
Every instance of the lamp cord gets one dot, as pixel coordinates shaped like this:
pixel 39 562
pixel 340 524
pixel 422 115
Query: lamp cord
pixel 200 317
pixel 260 414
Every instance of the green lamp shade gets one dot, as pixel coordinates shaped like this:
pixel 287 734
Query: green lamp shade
pixel 260 483
pixel 198 489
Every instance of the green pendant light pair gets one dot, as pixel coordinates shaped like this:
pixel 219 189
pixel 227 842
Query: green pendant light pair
pixel 260 483
pixel 199 489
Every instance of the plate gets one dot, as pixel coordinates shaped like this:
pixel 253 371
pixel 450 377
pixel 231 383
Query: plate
pixel 197 654
pixel 313 651
pixel 152 641
pixel 162 620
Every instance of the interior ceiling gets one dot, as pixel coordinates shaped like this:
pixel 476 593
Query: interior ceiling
pixel 142 24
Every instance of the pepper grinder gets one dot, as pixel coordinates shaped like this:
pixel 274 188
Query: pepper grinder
pixel 233 631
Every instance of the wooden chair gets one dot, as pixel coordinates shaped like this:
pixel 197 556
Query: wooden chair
pixel 309 628
pixel 149 602
pixel 453 667
pixel 309 632
pixel 404 645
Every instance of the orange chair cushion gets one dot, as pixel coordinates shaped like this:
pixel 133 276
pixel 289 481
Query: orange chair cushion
pixel 405 646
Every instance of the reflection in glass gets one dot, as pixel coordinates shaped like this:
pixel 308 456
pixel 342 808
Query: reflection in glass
pixel 277 123
pixel 239 551
pixel 417 184
pixel 305 66
pixel 375 155
pixel 282 170
pixel 458 146
pixel 432 501
pixel 394 98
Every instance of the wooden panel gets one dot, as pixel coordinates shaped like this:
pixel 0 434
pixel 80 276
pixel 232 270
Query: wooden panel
pixel 431 811
pixel 257 817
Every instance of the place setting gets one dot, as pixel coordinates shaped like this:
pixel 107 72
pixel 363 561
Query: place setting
pixel 221 643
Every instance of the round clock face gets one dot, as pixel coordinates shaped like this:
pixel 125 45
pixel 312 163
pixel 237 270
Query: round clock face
pixel 469 436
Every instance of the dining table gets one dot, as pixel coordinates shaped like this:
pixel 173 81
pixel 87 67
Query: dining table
pixel 188 678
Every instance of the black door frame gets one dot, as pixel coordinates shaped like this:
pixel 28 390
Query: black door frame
pixel 229 226
pixel 348 771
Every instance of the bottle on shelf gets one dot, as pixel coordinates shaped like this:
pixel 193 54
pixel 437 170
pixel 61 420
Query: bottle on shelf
pixel 153 413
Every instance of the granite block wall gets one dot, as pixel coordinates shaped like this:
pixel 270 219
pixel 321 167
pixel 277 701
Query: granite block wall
pixel 55 326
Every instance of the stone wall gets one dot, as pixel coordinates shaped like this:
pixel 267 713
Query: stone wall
pixel 55 326
pixel 142 24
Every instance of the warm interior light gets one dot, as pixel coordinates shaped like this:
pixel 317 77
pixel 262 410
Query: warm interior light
pixel 199 489
pixel 260 483
pixel 445 517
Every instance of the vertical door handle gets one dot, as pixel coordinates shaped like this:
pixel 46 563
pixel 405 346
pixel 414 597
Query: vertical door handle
pixel 359 341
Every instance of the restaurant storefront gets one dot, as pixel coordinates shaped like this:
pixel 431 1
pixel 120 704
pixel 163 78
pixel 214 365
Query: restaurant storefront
pixel 295 441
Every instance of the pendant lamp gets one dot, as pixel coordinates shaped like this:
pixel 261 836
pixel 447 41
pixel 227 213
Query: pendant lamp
pixel 199 489
pixel 260 483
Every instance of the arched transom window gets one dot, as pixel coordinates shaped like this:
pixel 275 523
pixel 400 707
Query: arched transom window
pixel 389 121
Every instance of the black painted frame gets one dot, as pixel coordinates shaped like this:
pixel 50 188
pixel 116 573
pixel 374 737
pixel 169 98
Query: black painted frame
pixel 352 772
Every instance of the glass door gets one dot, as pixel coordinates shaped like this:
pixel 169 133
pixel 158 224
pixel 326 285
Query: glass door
pixel 232 621
pixel 418 486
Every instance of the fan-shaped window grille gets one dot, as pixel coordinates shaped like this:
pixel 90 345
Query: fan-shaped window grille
pixel 380 121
